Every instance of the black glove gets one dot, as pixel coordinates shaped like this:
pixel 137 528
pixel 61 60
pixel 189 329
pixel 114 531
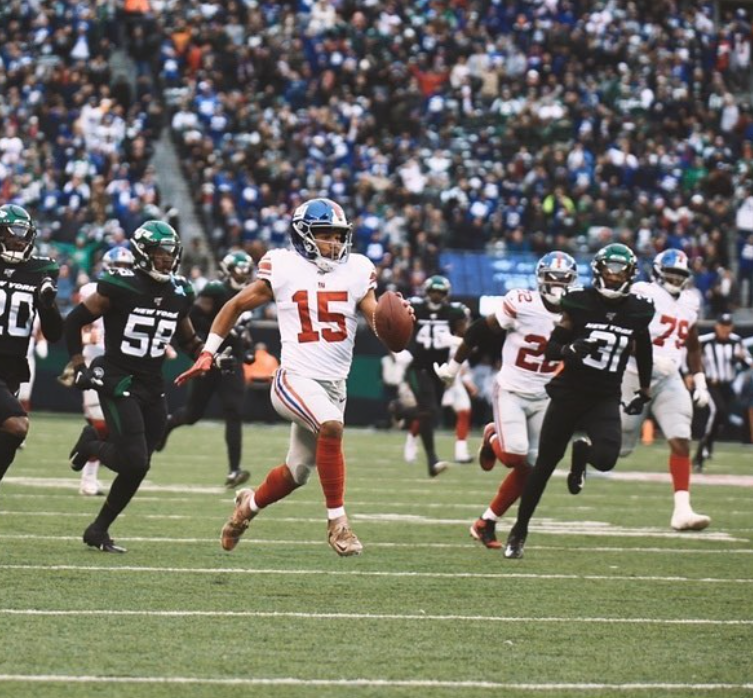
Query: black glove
pixel 47 292
pixel 579 349
pixel 635 406
pixel 225 362
pixel 85 378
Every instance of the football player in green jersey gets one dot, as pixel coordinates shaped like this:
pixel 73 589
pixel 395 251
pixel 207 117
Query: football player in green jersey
pixel 27 288
pixel 600 326
pixel 142 308
pixel 236 269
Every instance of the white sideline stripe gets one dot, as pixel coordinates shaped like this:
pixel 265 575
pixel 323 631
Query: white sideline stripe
pixel 371 683
pixel 359 573
pixel 369 616
pixel 410 546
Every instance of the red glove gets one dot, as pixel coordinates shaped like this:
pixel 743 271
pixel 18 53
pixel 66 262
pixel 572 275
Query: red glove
pixel 202 365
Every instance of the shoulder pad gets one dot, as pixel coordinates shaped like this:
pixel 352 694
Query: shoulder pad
pixel 45 265
pixel 416 300
pixel 213 288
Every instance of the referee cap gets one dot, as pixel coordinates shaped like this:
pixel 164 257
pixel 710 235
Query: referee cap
pixel 725 319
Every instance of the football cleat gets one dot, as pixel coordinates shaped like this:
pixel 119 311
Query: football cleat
pixel 484 531
pixel 461 452
pixel 487 459
pixel 91 488
pixel 438 467
pixel 98 538
pixel 341 538
pixel 77 456
pixel 576 478
pixel 514 546
pixel 236 477
pixel 689 521
pixel 239 520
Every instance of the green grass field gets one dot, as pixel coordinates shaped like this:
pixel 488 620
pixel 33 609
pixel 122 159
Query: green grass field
pixel 608 600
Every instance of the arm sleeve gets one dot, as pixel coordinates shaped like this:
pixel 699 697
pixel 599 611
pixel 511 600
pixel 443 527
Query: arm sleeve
pixel 51 323
pixel 77 319
pixel 644 357
pixel 558 340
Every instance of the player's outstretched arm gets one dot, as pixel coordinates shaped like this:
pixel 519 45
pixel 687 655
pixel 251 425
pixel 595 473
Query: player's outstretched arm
pixel 258 293
pixel 479 331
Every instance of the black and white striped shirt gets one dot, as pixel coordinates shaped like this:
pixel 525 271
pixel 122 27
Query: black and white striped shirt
pixel 723 359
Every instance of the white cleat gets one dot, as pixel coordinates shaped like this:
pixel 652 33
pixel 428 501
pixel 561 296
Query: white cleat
pixel 410 450
pixel 91 488
pixel 689 521
pixel 461 452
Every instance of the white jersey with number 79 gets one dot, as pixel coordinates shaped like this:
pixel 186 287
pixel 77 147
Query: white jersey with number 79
pixel 317 312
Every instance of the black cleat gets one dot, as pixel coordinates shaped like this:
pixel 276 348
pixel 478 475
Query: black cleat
pixel 438 467
pixel 77 457
pixel 576 478
pixel 514 546
pixel 98 538
pixel 235 478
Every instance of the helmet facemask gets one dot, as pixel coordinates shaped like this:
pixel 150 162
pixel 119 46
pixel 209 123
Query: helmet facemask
pixel 555 273
pixel 17 241
pixel 671 271
pixel 157 250
pixel 613 279
pixel 312 221
pixel 237 268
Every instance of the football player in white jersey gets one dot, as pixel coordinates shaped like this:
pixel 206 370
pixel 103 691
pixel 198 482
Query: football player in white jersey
pixel 526 318
pixel 318 287
pixel 674 331
pixel 93 338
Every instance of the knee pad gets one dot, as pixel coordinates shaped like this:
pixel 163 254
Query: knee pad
pixel 512 460
pixel 300 473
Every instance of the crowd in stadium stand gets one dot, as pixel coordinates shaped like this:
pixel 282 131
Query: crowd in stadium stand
pixel 481 124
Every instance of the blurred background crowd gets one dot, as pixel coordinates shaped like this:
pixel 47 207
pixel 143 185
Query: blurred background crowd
pixel 496 126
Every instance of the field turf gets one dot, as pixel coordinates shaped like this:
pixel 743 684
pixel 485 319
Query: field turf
pixel 608 601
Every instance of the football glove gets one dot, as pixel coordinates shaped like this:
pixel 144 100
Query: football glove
pixel 701 394
pixel 225 362
pixel 85 379
pixel 447 372
pixel 636 405
pixel 47 292
pixel 579 349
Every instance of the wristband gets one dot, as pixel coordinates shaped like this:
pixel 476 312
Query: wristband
pixel 213 343
pixel 453 367
pixel 699 381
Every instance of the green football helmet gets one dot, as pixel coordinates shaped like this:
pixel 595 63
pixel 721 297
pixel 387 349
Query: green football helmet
pixel 156 250
pixel 17 234
pixel 614 267
pixel 433 287
pixel 236 268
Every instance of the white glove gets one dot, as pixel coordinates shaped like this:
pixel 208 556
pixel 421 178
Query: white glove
pixel 701 395
pixel 447 372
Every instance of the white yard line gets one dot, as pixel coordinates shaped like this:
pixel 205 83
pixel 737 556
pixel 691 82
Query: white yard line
pixel 277 542
pixel 374 573
pixel 367 616
pixel 372 683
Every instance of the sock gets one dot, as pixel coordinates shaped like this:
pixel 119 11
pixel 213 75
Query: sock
pixel 124 487
pixel 415 427
pixel 335 513
pixel 278 484
pixel 682 501
pixel 647 432
pixel 510 490
pixel 100 426
pixel 233 441
pixel 463 425
pixel 8 446
pixel 679 469
pixel 331 466
pixel 489 515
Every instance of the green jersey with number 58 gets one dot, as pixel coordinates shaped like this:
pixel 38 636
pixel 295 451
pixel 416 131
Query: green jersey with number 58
pixel 142 319
pixel 611 325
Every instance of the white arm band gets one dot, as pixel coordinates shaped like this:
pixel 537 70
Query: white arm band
pixel 699 381
pixel 213 343
pixel 453 367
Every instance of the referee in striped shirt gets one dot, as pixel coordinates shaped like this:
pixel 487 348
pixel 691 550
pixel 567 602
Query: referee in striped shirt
pixel 724 355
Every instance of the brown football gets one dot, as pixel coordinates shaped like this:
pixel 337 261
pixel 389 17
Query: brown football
pixel 393 322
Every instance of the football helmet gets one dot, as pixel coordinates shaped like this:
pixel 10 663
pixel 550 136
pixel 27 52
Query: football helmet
pixel 117 258
pixel 614 268
pixel 436 285
pixel 17 234
pixel 671 270
pixel 148 242
pixel 316 217
pixel 236 268
pixel 555 273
